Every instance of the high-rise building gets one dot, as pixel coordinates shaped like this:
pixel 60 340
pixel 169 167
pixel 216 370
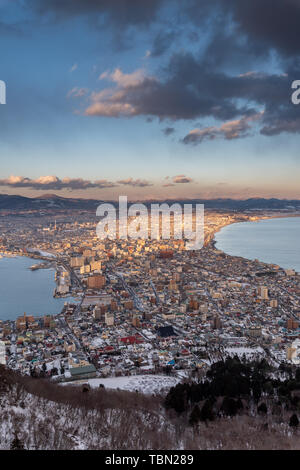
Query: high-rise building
pixel 263 292
pixel 96 281
pixel 128 304
pixel 97 313
pixel 216 322
pixel 109 319
pixel 2 353
pixel 165 254
pixel 136 321
pixel 77 261
pixel 95 265
pixel 292 324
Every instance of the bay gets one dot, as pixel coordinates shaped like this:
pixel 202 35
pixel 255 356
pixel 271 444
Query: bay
pixel 275 241
pixel 23 290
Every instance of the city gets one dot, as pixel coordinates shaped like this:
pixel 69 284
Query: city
pixel 145 306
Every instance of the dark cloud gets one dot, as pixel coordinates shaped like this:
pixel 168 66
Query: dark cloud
pixel 54 183
pixel 120 12
pixel 194 90
pixel 266 24
pixel 168 130
pixel 282 124
pixel 229 130
pixel 189 92
pixel 232 35
pixel 135 183
pixel 271 24
pixel 181 179
pixel 162 42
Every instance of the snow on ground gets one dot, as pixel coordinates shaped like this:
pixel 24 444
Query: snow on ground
pixel 240 351
pixel 46 253
pixel 98 342
pixel 147 384
pixel 182 374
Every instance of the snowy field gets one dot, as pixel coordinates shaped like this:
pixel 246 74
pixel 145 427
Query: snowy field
pixel 147 384
pixel 46 253
pixel 248 352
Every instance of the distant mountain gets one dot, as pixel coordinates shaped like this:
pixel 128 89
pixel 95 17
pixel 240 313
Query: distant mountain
pixel 49 196
pixel 52 201
pixel 46 201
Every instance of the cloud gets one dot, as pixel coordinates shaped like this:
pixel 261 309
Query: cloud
pixel 191 90
pixel 162 42
pixel 168 130
pixel 77 92
pixel 237 18
pixel 54 183
pixel 229 130
pixel 121 100
pixel 51 182
pixel 121 13
pixel 138 94
pixel 181 179
pixel 226 19
pixel 135 183
pixel 124 80
pixel 110 109
pixel 228 76
pixel 252 20
pixel 278 126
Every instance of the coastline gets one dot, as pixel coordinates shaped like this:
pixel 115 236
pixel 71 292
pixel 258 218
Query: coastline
pixel 59 301
pixel 212 242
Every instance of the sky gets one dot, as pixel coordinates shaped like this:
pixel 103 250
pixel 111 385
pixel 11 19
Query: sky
pixel 150 99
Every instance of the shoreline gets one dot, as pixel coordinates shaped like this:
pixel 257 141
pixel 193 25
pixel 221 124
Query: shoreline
pixel 209 244
pixel 258 218
pixel 212 242
pixel 52 268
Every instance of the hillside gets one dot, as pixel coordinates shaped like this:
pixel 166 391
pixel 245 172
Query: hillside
pixel 36 414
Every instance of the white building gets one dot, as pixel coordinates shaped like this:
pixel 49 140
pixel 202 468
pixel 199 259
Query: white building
pixel 294 352
pixel 2 353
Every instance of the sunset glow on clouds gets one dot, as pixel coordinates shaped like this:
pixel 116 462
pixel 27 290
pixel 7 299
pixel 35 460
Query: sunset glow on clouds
pixel 54 183
pixel 114 95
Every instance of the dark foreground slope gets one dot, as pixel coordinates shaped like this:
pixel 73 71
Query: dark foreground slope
pixel 36 414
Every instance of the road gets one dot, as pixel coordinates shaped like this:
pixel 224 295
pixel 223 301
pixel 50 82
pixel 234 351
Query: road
pixel 136 300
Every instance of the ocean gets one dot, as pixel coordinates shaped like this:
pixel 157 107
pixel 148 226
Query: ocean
pixel 275 241
pixel 23 290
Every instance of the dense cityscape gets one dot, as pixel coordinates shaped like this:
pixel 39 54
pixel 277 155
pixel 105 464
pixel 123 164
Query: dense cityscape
pixel 144 307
